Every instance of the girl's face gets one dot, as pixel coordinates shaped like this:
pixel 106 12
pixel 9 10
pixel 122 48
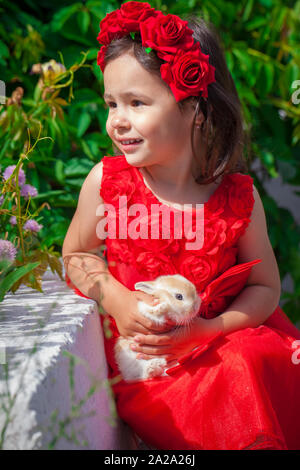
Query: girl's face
pixel 142 107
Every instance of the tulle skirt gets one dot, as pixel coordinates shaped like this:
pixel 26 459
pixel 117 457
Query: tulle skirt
pixel 241 391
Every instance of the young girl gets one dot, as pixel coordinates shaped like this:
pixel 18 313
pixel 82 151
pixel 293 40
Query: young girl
pixel 175 117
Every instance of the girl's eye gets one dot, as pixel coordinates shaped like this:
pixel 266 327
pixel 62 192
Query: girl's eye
pixel 111 103
pixel 137 101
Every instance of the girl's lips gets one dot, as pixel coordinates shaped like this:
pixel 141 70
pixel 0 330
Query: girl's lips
pixel 131 146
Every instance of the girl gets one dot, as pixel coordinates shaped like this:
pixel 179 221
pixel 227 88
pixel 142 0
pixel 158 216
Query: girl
pixel 175 117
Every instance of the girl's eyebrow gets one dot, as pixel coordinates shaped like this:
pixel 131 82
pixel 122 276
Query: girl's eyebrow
pixel 128 93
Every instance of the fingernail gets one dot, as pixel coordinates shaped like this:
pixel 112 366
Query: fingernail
pixel 137 339
pixel 133 346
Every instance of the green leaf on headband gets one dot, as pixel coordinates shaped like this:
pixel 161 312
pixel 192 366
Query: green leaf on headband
pixel 148 50
pixel 132 34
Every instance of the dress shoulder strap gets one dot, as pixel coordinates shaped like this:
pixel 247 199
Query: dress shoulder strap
pixel 114 164
pixel 240 194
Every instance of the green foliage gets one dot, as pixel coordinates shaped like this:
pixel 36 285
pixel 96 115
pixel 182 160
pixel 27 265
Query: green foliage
pixel 261 43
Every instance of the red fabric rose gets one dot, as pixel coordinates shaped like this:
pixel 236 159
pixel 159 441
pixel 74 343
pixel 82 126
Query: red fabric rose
pixel 152 225
pixel 132 13
pixel 198 269
pixel 101 58
pixel 154 264
pixel 235 229
pixel 111 27
pixel 240 195
pixel 214 235
pixel 165 34
pixel 120 250
pixel 188 73
pixel 116 186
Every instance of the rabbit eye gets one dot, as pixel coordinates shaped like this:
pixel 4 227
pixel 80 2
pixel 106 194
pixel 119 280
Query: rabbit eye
pixel 179 296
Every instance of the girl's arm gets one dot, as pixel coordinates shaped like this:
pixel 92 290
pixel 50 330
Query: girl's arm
pixel 84 268
pixel 261 295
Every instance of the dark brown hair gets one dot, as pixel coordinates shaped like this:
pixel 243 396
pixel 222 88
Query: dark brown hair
pixel 223 125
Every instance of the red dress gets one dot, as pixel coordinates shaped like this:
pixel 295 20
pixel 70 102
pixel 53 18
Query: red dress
pixel 239 391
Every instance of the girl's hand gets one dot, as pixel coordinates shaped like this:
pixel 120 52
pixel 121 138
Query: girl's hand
pixel 177 342
pixel 130 321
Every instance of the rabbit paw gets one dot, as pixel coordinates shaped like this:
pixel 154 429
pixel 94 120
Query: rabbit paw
pixel 155 367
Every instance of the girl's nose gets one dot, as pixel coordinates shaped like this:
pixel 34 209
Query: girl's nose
pixel 120 121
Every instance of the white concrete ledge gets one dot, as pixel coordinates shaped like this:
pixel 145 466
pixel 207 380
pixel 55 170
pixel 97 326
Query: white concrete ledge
pixel 55 321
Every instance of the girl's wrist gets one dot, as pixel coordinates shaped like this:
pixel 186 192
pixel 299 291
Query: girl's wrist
pixel 207 328
pixel 111 294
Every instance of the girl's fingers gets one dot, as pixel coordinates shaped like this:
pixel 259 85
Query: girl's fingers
pixel 156 350
pixel 169 358
pixel 152 340
pixel 150 325
pixel 139 328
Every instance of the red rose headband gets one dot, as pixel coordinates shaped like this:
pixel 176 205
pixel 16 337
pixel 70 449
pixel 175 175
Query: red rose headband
pixel 186 70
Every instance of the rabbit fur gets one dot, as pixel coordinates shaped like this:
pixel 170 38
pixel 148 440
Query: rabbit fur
pixel 179 302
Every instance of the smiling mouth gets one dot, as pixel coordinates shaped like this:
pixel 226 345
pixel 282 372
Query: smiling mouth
pixel 137 141
pixel 131 146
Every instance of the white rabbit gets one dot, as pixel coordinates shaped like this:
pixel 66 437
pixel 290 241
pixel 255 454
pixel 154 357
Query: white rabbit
pixel 179 302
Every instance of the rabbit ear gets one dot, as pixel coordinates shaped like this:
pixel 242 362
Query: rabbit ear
pixel 147 287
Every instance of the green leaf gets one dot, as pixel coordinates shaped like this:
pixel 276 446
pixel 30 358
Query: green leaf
pixel 83 123
pixel 229 60
pixel 92 54
pixel 13 277
pixel 97 71
pixel 50 194
pixel 267 3
pixel 4 51
pixel 248 95
pixel 63 15
pixel 59 171
pixel 83 20
pixel 86 96
pixel 256 23
pixel 267 71
pixel 78 167
pixel 243 58
pixel 86 149
pixel 247 11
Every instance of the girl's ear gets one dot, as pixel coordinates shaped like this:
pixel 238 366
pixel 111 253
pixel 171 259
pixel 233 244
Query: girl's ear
pixel 192 107
pixel 147 287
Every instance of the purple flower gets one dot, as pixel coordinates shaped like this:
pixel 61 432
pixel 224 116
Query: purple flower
pixel 8 172
pixel 7 250
pixel 28 191
pixel 32 226
pixel 1 199
pixel 13 220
